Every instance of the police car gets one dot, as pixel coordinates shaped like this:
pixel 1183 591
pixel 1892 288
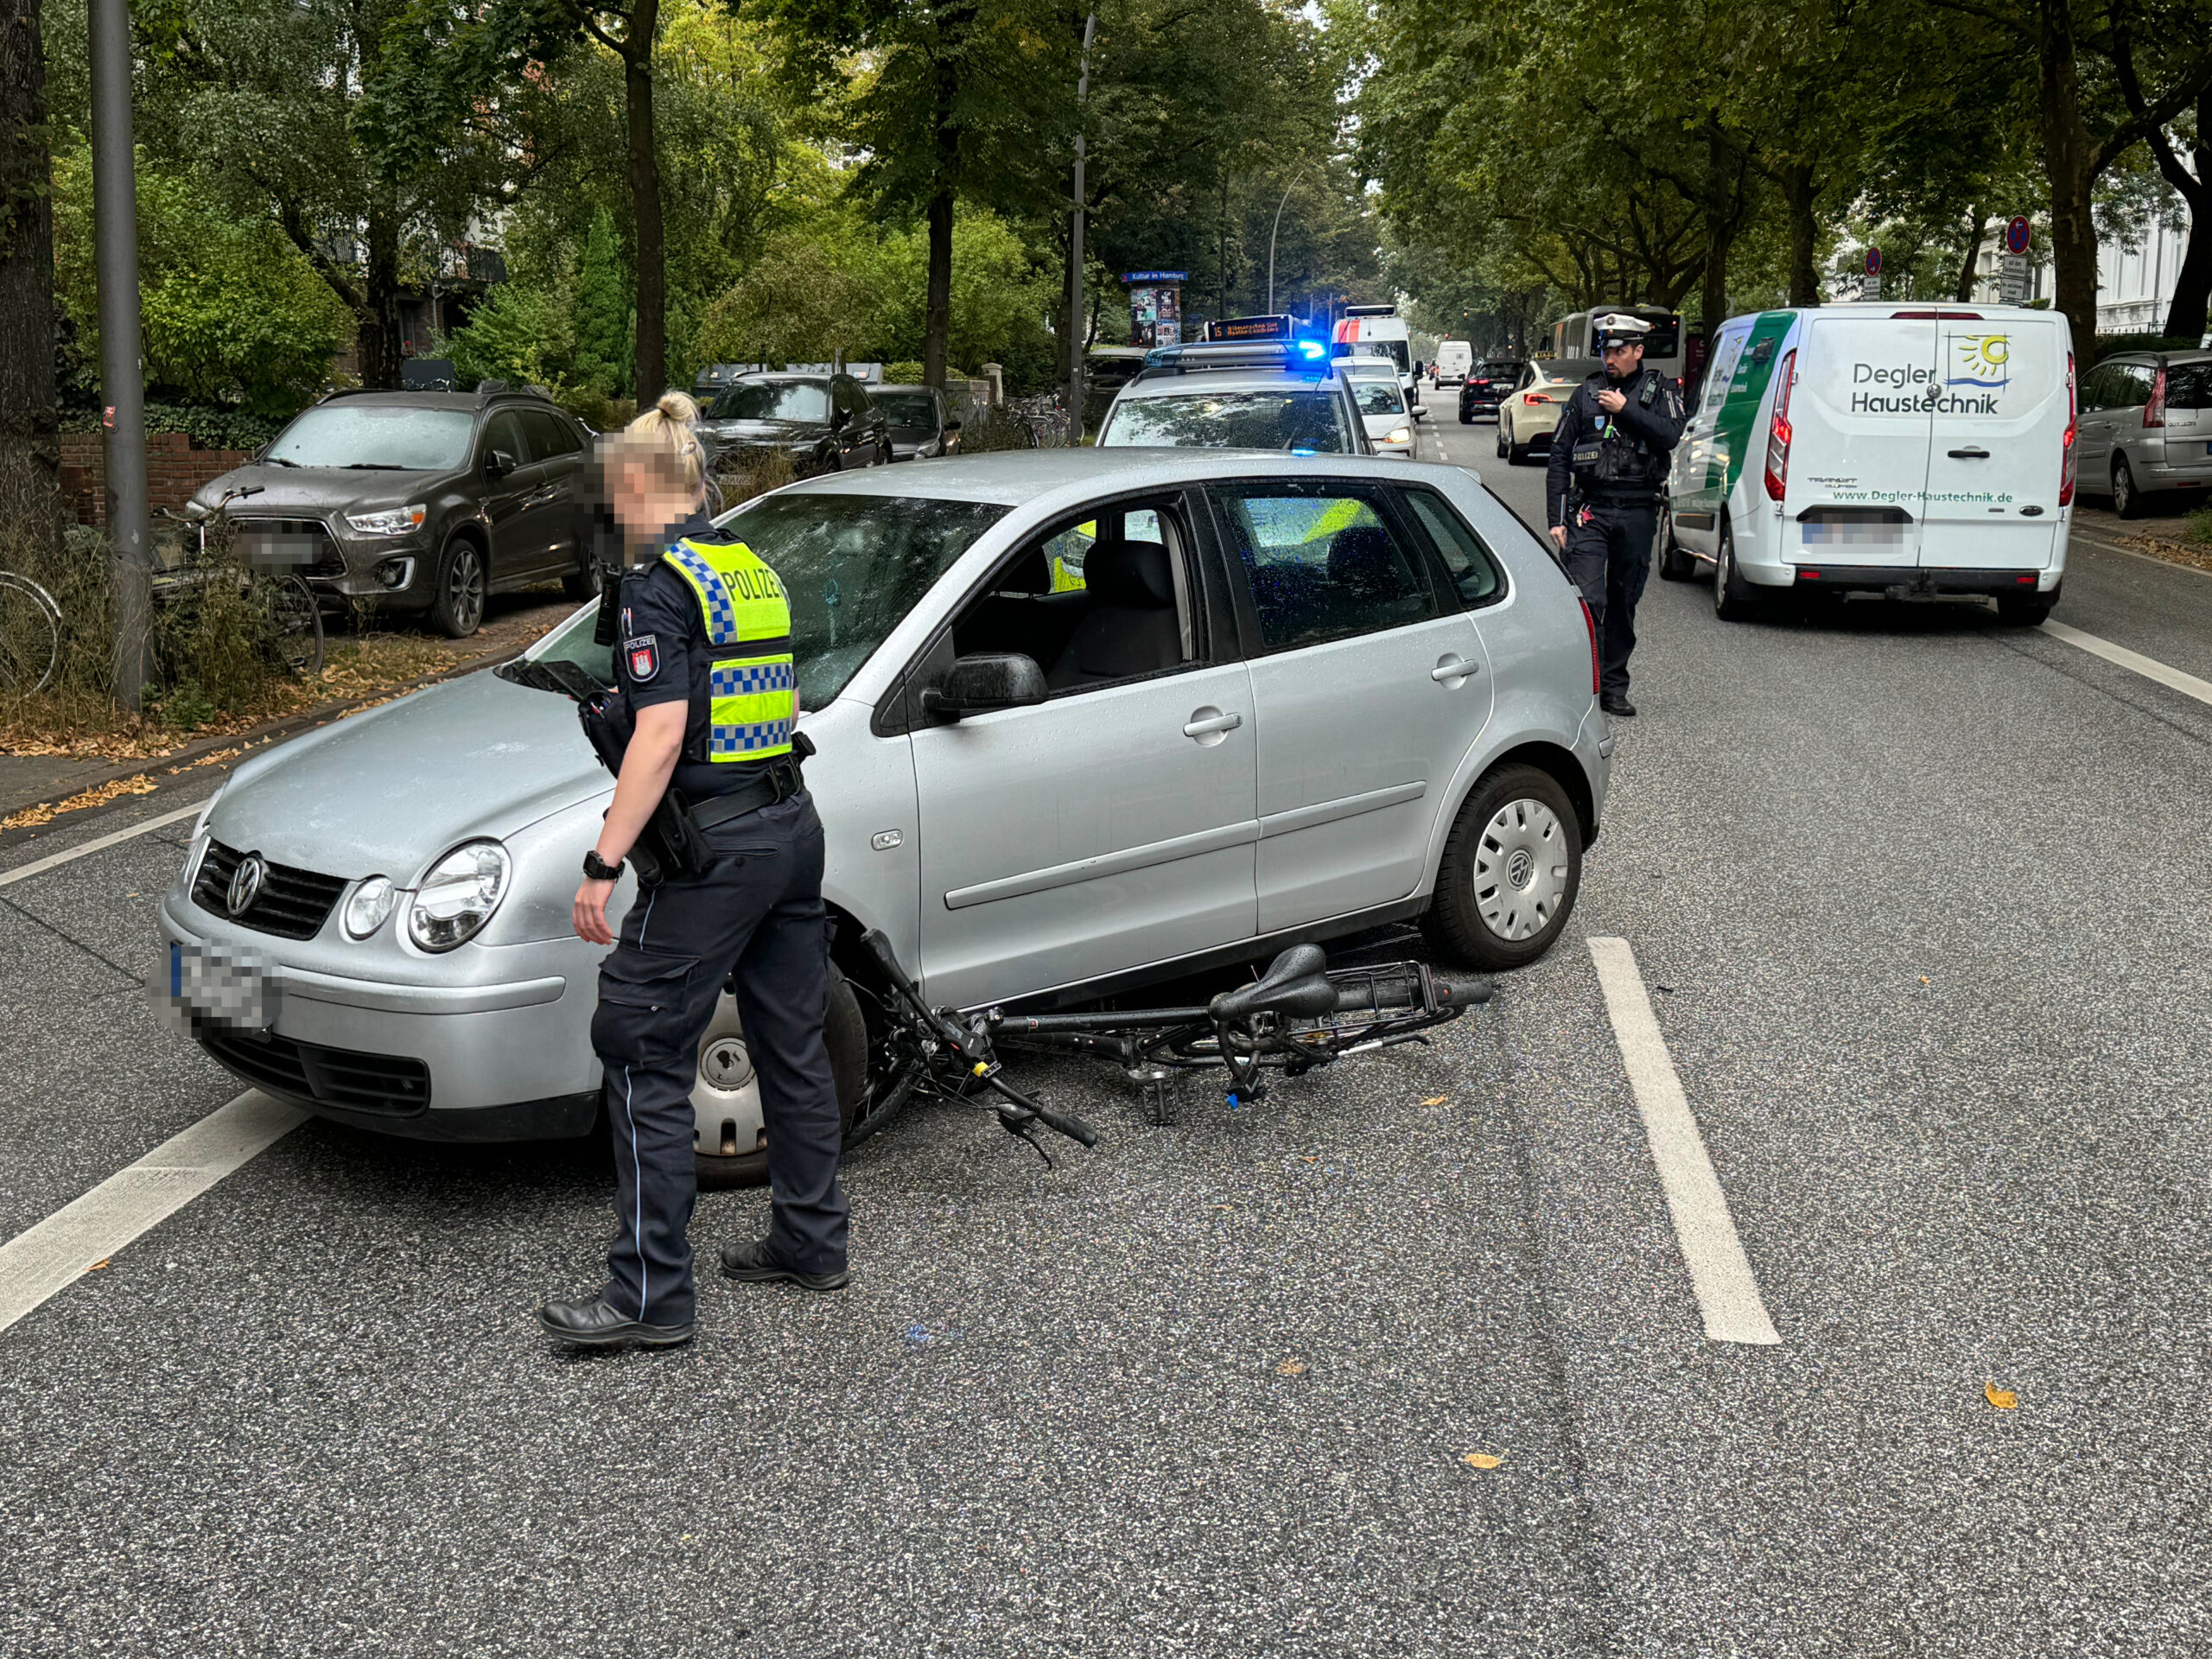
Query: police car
pixel 1270 392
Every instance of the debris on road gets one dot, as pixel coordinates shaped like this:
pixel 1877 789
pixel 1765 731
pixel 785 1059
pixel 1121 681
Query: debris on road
pixel 2003 1399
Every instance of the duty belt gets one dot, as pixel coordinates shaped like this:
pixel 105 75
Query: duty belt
pixel 781 782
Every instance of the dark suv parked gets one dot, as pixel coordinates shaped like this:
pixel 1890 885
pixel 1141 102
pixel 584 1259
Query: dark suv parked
pixel 426 501
pixel 825 422
pixel 1486 387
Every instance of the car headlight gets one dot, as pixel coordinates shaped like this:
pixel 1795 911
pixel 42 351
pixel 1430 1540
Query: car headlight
pixel 391 521
pixel 1400 435
pixel 373 900
pixel 459 895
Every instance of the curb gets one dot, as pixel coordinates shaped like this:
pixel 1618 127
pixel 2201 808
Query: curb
pixel 156 770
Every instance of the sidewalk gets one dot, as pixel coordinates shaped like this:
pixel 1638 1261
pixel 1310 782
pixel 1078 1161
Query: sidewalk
pixel 80 786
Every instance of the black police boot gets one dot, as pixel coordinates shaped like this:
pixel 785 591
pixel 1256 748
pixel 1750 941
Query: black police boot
pixel 594 1325
pixel 1617 703
pixel 751 1262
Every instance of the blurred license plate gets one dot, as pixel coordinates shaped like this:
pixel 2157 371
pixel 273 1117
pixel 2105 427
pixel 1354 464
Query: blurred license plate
pixel 218 988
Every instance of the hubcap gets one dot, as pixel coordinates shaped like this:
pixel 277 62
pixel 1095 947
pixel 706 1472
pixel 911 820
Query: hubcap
pixel 2123 486
pixel 1521 869
pixel 726 1099
pixel 467 588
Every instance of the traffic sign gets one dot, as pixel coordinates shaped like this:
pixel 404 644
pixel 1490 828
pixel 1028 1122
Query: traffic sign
pixel 2017 233
pixel 2012 279
pixel 1873 262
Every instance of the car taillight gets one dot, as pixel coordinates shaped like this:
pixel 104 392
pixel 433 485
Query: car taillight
pixel 1530 398
pixel 1777 437
pixel 2069 451
pixel 2154 412
pixel 1590 622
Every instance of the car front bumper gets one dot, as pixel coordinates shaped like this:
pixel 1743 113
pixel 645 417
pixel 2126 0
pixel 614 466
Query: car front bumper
pixel 506 1060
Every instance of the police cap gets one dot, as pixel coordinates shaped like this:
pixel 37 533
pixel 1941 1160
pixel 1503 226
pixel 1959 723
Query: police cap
pixel 1619 328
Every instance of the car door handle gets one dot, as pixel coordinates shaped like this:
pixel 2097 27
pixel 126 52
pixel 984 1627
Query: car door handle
pixel 1454 668
pixel 1201 725
pixel 1970 453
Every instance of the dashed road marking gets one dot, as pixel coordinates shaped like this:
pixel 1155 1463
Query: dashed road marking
pixel 1721 1274
pixel 40 866
pixel 57 1252
pixel 2149 667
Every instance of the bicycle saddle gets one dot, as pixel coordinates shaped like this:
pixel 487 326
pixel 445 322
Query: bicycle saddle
pixel 1295 984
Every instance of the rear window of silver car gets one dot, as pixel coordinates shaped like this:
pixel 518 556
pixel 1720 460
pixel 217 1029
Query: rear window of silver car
pixel 376 437
pixel 1292 419
pixel 852 567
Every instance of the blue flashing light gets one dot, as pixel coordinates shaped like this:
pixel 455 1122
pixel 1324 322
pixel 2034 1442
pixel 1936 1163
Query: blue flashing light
pixel 1304 452
pixel 1312 348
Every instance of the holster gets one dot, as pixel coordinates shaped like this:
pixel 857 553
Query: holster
pixel 671 843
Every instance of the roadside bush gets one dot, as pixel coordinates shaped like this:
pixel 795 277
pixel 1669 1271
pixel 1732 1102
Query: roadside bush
pixel 2199 533
pixel 210 426
pixel 2108 344
pixel 741 475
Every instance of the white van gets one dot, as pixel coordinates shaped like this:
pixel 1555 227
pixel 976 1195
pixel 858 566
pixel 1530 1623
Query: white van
pixel 1454 359
pixel 1378 331
pixel 1885 447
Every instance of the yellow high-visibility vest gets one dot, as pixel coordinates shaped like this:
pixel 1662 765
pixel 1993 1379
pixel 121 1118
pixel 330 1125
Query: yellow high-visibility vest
pixel 752 688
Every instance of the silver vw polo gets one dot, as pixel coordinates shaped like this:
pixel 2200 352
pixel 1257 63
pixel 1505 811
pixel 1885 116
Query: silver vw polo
pixel 1083 718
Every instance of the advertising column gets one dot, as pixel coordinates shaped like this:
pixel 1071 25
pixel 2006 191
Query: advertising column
pixel 1155 306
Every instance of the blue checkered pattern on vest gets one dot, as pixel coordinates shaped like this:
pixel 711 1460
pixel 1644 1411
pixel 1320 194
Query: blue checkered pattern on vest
pixel 743 682
pixel 743 740
pixel 721 617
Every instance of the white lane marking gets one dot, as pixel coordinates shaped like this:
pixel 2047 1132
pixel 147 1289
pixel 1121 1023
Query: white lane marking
pixel 55 1253
pixel 1728 1295
pixel 40 866
pixel 2149 667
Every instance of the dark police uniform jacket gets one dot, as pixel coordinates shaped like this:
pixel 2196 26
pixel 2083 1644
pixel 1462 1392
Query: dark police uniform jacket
pixel 1630 449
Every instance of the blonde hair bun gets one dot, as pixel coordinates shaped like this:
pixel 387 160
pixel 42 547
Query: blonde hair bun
pixel 677 407
pixel 665 429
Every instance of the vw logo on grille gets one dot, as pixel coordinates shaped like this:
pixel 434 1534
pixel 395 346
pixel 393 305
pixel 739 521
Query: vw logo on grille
pixel 245 883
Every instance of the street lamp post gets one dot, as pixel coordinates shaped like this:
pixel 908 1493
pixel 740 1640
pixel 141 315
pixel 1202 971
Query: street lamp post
pixel 123 386
pixel 1279 206
pixel 1075 247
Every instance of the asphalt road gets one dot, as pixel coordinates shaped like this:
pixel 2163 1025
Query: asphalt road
pixel 1921 906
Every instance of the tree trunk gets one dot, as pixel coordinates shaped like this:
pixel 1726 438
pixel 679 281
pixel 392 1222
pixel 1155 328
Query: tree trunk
pixel 2070 156
pixel 1977 222
pixel 651 354
pixel 937 305
pixel 1800 189
pixel 2193 282
pixel 1719 236
pixel 30 453
pixel 377 317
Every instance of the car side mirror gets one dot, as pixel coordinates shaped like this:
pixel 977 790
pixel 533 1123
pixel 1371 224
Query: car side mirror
pixel 499 464
pixel 985 681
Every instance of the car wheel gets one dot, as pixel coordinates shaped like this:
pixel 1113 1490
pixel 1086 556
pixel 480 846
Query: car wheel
pixel 729 1142
pixel 2126 500
pixel 1516 455
pixel 582 582
pixel 1676 564
pixel 458 610
pixel 1466 415
pixel 1732 594
pixel 1512 867
pixel 2024 610
pixel 1502 430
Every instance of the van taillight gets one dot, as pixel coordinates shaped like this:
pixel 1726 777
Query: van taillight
pixel 2154 412
pixel 1590 621
pixel 2070 449
pixel 1777 437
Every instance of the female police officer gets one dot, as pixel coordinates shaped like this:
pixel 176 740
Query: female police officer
pixel 707 700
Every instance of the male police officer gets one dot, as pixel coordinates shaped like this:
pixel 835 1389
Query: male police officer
pixel 706 703
pixel 1613 438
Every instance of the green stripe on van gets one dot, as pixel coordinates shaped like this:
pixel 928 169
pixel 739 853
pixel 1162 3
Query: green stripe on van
pixel 1731 427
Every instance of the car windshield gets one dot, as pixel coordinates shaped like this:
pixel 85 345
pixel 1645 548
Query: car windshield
pixel 381 435
pixel 1233 420
pixel 909 410
pixel 1378 397
pixel 1392 351
pixel 1572 370
pixel 852 567
pixel 772 400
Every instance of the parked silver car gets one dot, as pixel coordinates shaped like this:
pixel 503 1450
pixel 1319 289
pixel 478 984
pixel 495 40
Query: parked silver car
pixel 1265 698
pixel 2147 427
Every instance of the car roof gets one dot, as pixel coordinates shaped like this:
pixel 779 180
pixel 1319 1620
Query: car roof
pixel 1194 382
pixel 469 402
pixel 1014 478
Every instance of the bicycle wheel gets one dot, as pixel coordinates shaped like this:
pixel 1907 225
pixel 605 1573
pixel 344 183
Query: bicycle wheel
pixel 30 635
pixel 297 615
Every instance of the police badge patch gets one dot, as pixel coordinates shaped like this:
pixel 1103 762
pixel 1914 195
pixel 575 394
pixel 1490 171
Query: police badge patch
pixel 644 655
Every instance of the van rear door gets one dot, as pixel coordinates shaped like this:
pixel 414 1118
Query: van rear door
pixel 1858 450
pixel 1997 443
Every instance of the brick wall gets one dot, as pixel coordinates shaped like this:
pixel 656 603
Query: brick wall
pixel 173 470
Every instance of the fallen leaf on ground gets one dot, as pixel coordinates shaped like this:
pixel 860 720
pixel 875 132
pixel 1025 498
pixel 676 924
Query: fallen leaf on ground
pixel 1435 1100
pixel 1925 980
pixel 1482 1460
pixel 1312 1161
pixel 1291 1368
pixel 2003 1399
pixel 102 1263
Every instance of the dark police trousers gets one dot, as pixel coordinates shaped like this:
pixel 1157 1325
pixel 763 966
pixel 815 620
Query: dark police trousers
pixel 758 912
pixel 1609 558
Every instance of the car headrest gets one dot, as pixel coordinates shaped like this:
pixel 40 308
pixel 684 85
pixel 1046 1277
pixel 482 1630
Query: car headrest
pixel 1132 574
pixel 1362 556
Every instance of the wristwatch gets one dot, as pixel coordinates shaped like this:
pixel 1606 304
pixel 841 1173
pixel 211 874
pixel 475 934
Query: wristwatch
pixel 598 869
